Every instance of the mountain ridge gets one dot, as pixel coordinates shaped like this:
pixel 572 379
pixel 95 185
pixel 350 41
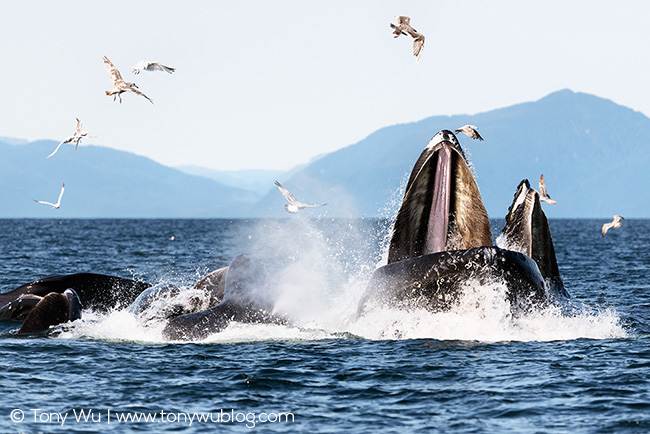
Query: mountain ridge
pixel 592 152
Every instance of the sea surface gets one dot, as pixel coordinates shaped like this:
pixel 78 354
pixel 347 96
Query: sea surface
pixel 475 369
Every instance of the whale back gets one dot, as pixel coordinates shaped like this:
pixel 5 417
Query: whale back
pixel 96 291
pixel 247 283
pixel 442 208
pixel 247 298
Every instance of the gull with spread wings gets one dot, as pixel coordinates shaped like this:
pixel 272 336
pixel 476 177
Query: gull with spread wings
pixel 294 205
pixel 120 85
pixel 144 65
pixel 470 131
pixel 616 223
pixel 76 138
pixel 403 27
pixel 543 194
pixel 53 205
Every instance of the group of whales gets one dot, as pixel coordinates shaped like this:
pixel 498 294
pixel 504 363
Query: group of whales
pixel 441 241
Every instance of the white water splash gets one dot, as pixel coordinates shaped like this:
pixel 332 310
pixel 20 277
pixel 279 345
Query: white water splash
pixel 319 281
pixel 484 314
pixel 119 325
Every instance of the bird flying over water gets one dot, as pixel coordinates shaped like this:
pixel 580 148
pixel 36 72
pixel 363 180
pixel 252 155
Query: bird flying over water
pixel 403 27
pixel 616 223
pixel 543 194
pixel 470 131
pixel 144 65
pixel 119 83
pixel 294 205
pixel 54 205
pixel 76 138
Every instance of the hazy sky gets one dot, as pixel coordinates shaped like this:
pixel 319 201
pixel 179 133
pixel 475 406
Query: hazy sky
pixel 270 84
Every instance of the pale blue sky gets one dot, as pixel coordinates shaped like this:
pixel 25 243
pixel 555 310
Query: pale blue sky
pixel 270 84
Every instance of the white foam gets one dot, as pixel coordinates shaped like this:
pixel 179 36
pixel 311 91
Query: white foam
pixel 118 325
pixel 319 282
pixel 484 314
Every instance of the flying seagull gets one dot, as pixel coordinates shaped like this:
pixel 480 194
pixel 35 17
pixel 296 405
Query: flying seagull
pixel 616 223
pixel 76 138
pixel 119 83
pixel 294 205
pixel 58 203
pixel 470 131
pixel 144 65
pixel 403 27
pixel 543 194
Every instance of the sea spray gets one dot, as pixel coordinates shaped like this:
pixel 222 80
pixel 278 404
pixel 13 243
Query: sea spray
pixel 483 313
pixel 320 269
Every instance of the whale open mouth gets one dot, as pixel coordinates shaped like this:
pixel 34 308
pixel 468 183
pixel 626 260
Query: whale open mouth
pixel 527 231
pixel 442 207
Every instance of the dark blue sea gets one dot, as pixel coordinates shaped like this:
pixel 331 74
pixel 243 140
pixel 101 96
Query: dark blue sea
pixel 475 369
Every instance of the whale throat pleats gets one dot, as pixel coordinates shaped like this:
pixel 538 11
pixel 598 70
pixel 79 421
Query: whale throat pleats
pixel 527 231
pixel 442 207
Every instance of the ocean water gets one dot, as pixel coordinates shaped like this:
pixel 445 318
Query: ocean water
pixel 473 369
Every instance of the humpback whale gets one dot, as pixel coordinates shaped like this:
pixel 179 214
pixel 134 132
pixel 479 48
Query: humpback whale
pixel 239 292
pixel 58 299
pixel 442 207
pixel 247 297
pixel 442 240
pixel 39 313
pixel 96 291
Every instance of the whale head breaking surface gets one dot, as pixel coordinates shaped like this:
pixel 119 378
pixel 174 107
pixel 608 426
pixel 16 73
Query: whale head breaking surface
pixel 442 207
pixel 442 240
pixel 527 231
pixel 247 298
pixel 441 243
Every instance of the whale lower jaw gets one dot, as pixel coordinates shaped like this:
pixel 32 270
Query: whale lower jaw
pixel 442 207
pixel 527 231
pixel 435 281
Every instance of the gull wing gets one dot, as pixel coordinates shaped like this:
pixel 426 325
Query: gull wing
pixel 113 73
pixel 54 205
pixel 137 92
pixel 404 20
pixel 287 194
pixel 79 126
pixel 58 202
pixel 154 66
pixel 139 66
pixel 605 228
pixel 470 131
pixel 57 148
pixel 45 203
pixel 544 194
pixel 542 186
pixel 418 44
